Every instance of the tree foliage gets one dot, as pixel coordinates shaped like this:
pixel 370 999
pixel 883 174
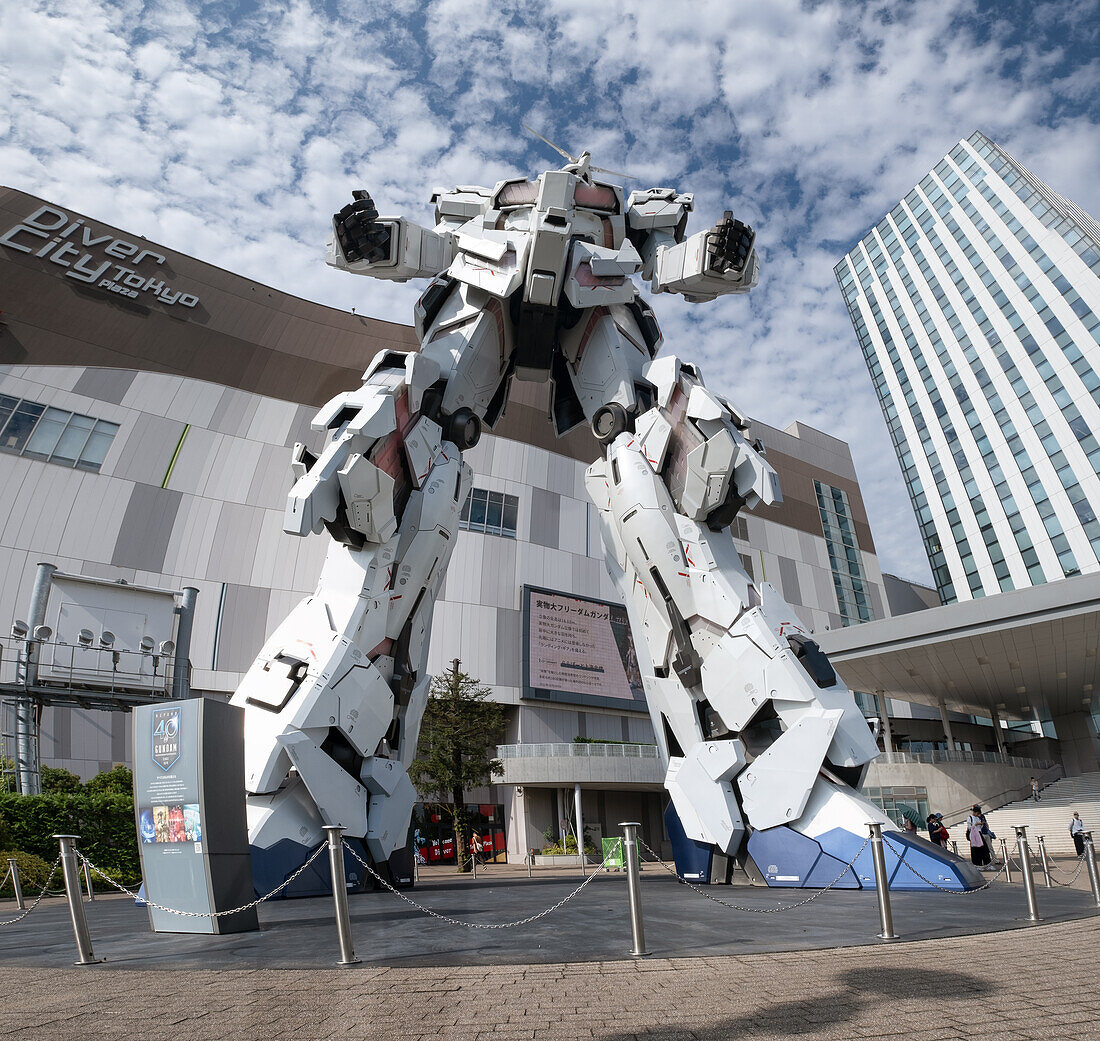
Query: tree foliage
pixel 119 780
pixel 57 779
pixel 458 737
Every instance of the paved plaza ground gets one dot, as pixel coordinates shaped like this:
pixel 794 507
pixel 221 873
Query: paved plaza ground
pixel 715 973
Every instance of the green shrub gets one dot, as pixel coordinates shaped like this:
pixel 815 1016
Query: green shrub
pixel 56 779
pixel 33 872
pixel 119 780
pixel 567 846
pixel 104 822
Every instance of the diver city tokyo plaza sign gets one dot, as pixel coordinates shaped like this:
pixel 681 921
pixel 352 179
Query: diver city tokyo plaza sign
pixel 166 737
pixel 91 257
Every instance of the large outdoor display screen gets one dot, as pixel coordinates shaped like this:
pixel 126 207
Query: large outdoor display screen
pixel 578 649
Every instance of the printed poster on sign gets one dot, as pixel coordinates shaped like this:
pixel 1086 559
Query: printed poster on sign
pixel 578 646
pixel 166 737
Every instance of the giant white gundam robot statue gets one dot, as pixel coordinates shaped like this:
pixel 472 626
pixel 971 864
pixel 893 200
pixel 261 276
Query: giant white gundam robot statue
pixel 534 280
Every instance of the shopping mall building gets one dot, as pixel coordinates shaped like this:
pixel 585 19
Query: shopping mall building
pixel 148 405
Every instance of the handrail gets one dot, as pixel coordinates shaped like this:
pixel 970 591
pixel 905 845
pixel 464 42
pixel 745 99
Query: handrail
pixel 1014 795
pixel 556 750
pixel 958 756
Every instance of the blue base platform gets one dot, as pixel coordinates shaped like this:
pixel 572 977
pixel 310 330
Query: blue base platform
pixel 787 859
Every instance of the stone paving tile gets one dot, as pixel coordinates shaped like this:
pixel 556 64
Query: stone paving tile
pixel 1018 986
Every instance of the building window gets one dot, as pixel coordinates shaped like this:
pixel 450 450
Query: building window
pixel 852 590
pixel 740 529
pixel 54 435
pixel 492 513
pixel 900 802
pixel 746 563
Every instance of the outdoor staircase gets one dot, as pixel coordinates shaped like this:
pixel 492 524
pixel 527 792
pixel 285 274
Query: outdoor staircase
pixel 1050 817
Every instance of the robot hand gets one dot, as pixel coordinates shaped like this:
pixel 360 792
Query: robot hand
pixel 360 235
pixel 729 244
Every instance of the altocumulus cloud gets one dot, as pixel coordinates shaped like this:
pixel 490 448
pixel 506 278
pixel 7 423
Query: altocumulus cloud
pixel 233 131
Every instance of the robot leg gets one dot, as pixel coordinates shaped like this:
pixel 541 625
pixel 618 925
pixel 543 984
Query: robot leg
pixel 334 700
pixel 763 742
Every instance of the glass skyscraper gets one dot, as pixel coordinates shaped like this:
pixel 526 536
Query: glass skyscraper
pixel 975 301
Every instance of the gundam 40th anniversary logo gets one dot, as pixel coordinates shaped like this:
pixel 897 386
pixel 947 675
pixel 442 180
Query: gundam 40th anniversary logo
pixel 166 737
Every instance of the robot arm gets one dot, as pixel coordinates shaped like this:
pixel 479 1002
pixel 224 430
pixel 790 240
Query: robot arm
pixel 709 264
pixel 391 248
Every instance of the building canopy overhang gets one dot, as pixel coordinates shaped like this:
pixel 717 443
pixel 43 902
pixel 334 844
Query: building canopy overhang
pixel 1021 654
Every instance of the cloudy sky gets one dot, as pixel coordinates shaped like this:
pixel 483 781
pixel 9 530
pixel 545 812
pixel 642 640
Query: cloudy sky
pixel 231 131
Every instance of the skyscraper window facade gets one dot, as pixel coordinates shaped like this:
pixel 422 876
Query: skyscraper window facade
pixel 975 301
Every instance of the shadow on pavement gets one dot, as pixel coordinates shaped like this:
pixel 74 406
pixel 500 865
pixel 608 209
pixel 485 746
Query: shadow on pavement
pixel 865 989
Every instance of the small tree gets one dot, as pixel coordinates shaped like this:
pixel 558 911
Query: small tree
pixel 459 734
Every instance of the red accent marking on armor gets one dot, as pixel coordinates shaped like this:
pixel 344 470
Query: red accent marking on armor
pixel 384 648
pixel 496 312
pixel 682 574
pixel 584 276
pixel 397 597
pixel 589 329
pixel 389 577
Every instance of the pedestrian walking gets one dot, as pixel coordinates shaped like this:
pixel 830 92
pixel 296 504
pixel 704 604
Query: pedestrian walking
pixel 937 830
pixel 1077 833
pixel 976 829
pixel 1035 790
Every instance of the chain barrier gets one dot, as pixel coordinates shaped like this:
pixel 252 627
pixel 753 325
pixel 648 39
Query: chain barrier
pixel 1051 869
pixel 481 925
pixel 760 910
pixel 204 914
pixel 6 877
pixel 38 900
pixel 934 885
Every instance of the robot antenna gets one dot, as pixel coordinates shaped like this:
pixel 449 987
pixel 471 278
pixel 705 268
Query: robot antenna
pixel 574 158
pixel 560 151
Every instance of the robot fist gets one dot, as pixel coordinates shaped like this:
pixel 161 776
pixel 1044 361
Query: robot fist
pixel 360 235
pixel 730 245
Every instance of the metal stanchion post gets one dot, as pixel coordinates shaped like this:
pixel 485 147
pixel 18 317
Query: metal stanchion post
pixel 637 929
pixel 1043 860
pixel 1090 863
pixel 16 885
pixel 1025 870
pixel 76 902
pixel 882 884
pixel 340 893
pixel 473 861
pixel 416 865
pixel 1004 857
pixel 530 861
pixel 954 847
pixel 88 882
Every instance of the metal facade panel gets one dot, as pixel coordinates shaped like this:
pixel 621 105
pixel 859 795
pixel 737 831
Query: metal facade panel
pixel 105 384
pixel 146 528
pixel 545 518
pixel 243 626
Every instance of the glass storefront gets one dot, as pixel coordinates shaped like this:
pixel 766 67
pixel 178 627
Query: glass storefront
pixel 434 838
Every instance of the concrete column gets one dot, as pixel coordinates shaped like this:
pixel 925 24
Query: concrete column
pixel 181 680
pixel 1078 743
pixel 884 714
pixel 998 734
pixel 580 821
pixel 26 711
pixel 947 727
